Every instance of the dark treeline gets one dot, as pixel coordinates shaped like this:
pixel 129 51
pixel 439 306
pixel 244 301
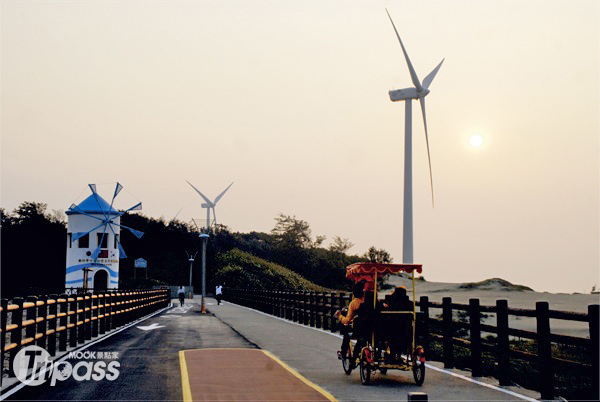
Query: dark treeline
pixel 33 251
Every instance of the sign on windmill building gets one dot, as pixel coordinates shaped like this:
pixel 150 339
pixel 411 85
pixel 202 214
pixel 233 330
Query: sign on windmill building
pixel 93 241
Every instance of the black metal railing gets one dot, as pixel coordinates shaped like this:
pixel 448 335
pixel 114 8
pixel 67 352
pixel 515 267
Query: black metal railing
pixel 459 327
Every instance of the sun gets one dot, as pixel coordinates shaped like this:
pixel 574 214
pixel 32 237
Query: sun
pixel 476 141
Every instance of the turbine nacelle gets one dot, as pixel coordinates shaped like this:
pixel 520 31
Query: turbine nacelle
pixel 205 205
pixel 397 95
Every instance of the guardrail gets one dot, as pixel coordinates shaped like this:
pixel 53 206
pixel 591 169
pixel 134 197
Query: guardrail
pixel 316 309
pixel 57 321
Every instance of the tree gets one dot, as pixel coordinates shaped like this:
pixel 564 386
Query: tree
pixel 292 233
pixel 377 255
pixel 340 245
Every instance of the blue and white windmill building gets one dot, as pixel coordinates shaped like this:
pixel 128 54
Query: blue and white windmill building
pixel 93 241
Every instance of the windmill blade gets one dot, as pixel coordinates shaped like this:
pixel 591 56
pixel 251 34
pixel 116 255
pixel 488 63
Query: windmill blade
pixel 413 74
pixel 97 197
pixel 82 212
pixel 136 207
pixel 98 249
pixel 202 195
pixel 120 247
pixel 431 76
pixel 215 215
pixel 118 189
pixel 427 142
pixel 136 233
pixel 223 193
pixel 79 235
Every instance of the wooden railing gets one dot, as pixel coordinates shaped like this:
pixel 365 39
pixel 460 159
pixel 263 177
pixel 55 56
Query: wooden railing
pixel 317 309
pixel 57 321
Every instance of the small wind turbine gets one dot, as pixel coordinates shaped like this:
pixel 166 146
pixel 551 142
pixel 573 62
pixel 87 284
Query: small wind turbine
pixel 420 91
pixel 210 204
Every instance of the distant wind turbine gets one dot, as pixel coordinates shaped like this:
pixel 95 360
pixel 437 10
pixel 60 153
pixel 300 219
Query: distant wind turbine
pixel 210 204
pixel 420 91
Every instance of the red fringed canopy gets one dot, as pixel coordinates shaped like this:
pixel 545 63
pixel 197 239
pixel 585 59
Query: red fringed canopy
pixel 366 271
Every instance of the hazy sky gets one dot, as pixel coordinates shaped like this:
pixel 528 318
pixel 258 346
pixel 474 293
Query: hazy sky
pixel 290 100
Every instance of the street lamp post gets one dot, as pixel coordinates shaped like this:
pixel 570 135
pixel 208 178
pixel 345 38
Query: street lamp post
pixel 191 259
pixel 204 238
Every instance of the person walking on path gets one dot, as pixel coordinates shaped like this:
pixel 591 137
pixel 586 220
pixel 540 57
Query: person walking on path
pixel 219 293
pixel 181 294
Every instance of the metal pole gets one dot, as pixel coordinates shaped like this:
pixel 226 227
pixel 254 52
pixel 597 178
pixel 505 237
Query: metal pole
pixel 190 288
pixel 407 235
pixel 204 238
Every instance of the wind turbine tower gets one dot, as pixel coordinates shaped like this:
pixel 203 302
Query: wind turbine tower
pixel 419 91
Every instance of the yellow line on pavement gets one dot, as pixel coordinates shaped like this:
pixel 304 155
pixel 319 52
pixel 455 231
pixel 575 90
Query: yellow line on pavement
pixel 185 378
pixel 299 376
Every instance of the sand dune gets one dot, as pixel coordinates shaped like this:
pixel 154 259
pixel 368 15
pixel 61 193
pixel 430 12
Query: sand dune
pixel 489 292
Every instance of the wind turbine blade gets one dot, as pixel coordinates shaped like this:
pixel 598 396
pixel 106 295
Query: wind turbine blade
pixel 215 215
pixel 413 74
pixel 176 215
pixel 223 193
pixel 431 76
pixel 120 247
pixel 427 142
pixel 201 195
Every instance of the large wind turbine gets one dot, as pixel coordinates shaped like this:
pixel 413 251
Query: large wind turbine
pixel 420 91
pixel 210 204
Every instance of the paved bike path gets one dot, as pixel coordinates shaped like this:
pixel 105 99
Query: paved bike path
pixel 313 354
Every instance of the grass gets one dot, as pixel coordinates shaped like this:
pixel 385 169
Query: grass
pixel 244 270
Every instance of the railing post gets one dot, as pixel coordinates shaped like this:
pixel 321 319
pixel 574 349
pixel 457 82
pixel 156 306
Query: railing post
pixel 593 317
pixel 424 305
pixel 87 315
pixel 52 323
pixel 448 332
pixel 95 315
pixel 332 310
pixel 320 308
pixel 109 299
pixel 544 350
pixel 502 342
pixel 312 308
pixel 475 337
pixel 16 334
pixel 40 328
pixel 80 317
pixel 3 319
pixel 72 311
pixel 101 313
pixel 306 307
pixel 63 321
pixel 287 303
pixel 31 329
pixel 325 309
